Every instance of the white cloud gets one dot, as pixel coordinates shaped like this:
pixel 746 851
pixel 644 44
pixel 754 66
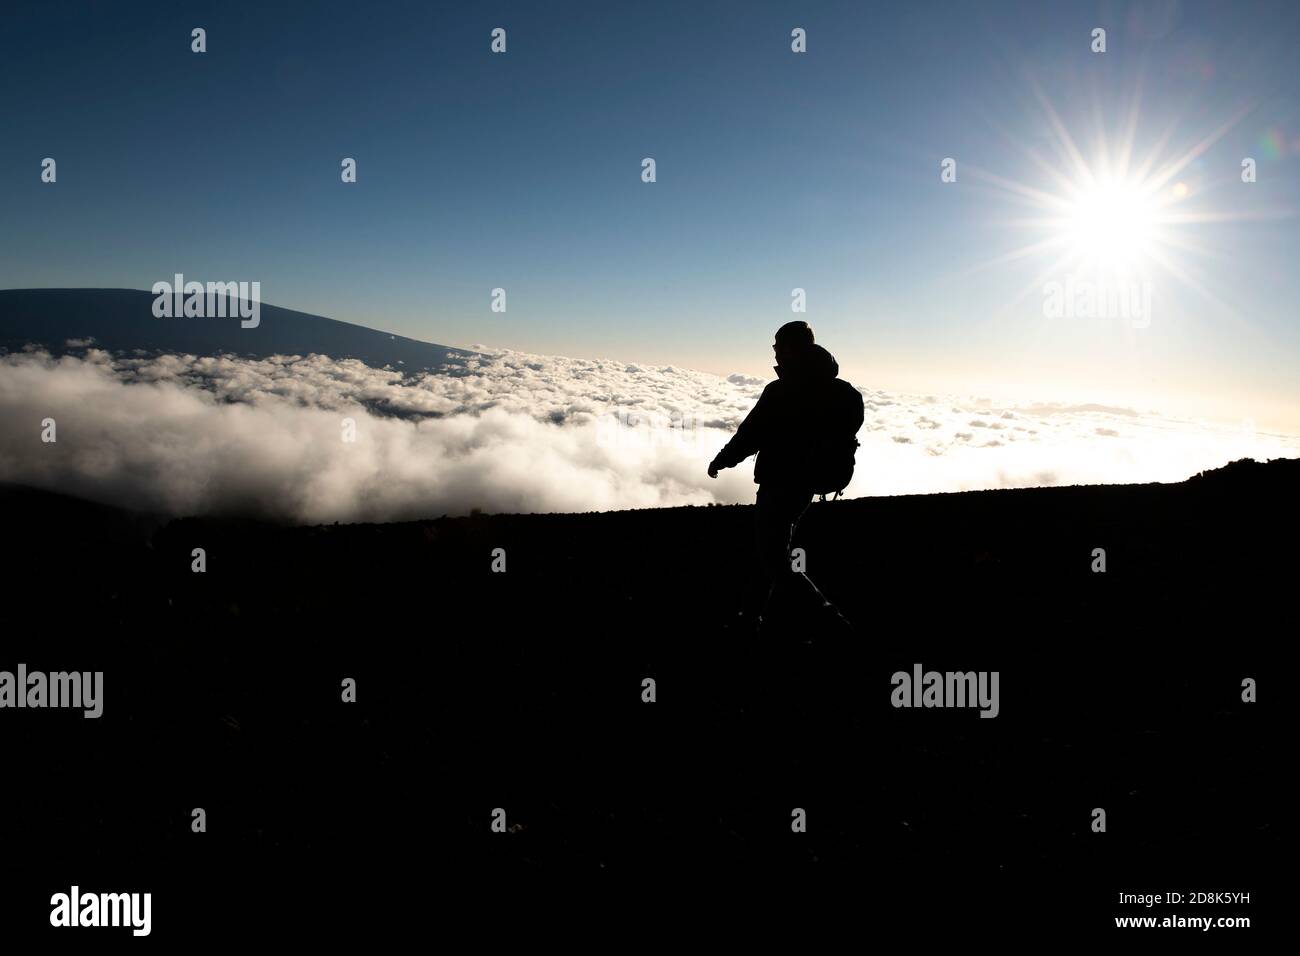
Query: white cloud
pixel 512 432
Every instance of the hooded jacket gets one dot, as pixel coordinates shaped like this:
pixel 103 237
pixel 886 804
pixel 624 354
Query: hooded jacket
pixel 801 409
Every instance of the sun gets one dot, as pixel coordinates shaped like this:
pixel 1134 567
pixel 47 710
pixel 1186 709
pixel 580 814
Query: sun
pixel 1111 224
pixel 1126 209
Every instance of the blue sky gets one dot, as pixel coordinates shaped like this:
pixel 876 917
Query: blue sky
pixel 775 171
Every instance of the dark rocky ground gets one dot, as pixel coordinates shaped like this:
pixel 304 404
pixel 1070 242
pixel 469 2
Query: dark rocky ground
pixel 522 690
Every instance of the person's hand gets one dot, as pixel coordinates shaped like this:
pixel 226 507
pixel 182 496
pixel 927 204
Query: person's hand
pixel 713 469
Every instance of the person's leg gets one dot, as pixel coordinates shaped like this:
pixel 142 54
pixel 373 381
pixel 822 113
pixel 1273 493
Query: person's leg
pixel 764 554
pixel 778 512
pixel 778 590
pixel 826 616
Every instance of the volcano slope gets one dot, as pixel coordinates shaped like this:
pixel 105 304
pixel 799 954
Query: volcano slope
pixel 525 690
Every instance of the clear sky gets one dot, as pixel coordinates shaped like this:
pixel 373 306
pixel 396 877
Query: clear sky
pixel 775 170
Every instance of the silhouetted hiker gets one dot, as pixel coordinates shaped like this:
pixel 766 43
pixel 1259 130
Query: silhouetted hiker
pixel 803 430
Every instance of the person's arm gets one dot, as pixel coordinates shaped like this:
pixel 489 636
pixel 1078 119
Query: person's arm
pixel 748 438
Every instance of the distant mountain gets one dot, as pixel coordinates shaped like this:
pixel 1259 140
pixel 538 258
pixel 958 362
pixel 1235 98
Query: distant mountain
pixel 123 320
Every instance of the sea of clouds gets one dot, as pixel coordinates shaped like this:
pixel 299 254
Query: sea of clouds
pixel 513 432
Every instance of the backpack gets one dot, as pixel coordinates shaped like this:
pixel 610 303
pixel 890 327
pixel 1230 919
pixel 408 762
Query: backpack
pixel 831 468
pixel 833 446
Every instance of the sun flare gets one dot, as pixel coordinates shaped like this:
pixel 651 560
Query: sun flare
pixel 1112 214
pixel 1112 224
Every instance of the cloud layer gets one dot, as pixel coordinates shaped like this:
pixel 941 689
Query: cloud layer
pixel 509 431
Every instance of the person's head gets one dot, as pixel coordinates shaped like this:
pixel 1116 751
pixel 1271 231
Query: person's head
pixel 791 338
